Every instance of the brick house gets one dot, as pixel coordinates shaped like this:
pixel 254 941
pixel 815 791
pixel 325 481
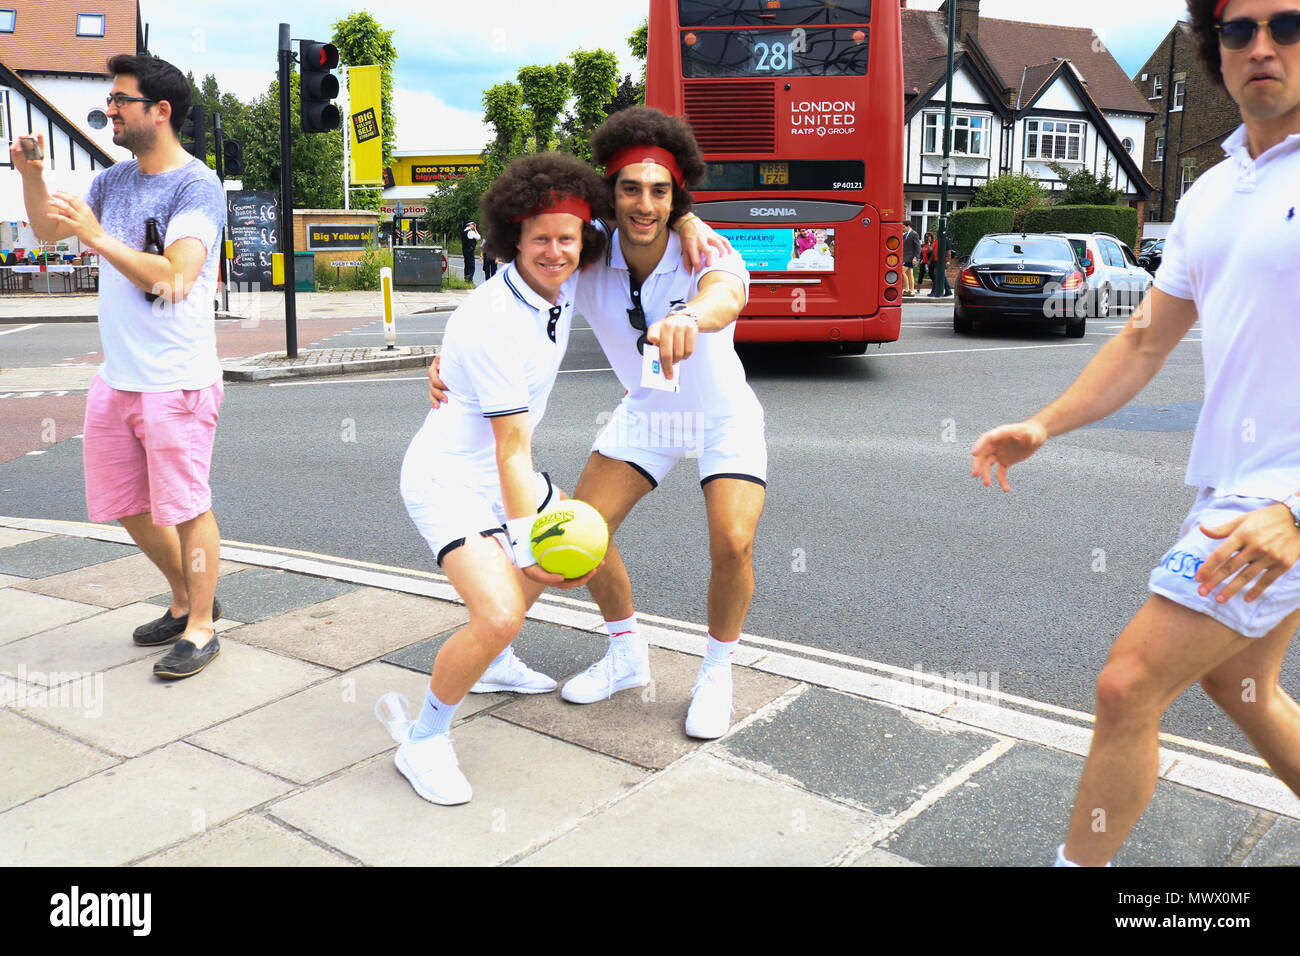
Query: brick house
pixel 1192 118
pixel 1023 94
pixel 53 57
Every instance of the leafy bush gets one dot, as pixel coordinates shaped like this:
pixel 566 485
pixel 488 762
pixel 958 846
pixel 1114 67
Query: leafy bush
pixel 967 226
pixel 1119 221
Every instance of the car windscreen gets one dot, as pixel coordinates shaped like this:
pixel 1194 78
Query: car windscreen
pixel 1036 248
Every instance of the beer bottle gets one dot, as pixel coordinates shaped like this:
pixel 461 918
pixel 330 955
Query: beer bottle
pixel 153 245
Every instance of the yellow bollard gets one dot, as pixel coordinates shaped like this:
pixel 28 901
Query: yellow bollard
pixel 386 286
pixel 277 268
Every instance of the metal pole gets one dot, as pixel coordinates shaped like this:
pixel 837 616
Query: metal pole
pixel 286 197
pixel 218 143
pixel 940 286
pixel 347 140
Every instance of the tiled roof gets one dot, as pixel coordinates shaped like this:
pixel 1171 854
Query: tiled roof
pixel 1012 45
pixel 45 35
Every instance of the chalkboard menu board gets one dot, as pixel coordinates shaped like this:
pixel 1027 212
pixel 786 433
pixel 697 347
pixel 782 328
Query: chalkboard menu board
pixel 255 230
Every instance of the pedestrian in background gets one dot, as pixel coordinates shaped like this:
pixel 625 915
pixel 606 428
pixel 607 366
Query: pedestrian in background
pixel 469 238
pixel 930 258
pixel 911 252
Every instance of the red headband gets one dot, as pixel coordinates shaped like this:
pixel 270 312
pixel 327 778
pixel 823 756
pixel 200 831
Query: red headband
pixel 644 154
pixel 1218 8
pixel 573 205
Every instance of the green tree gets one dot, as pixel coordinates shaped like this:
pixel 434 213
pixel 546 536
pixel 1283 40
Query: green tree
pixel 362 41
pixel 1008 191
pixel 639 44
pixel 317 157
pixel 503 111
pixel 595 84
pixel 1082 188
pixel 545 90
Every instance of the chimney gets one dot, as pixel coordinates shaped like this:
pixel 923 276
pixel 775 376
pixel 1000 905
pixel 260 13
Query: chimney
pixel 968 18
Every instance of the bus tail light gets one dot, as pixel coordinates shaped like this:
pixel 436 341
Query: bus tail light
pixel 968 278
pixel 891 243
pixel 1073 280
pixel 891 294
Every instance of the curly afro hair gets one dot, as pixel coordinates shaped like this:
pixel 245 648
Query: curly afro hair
pixel 646 126
pixel 533 181
pixel 1207 38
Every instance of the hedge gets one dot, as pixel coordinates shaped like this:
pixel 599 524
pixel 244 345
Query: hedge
pixel 967 226
pixel 1119 221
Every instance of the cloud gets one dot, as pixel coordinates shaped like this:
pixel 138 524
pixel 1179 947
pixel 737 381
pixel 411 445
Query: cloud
pixel 424 121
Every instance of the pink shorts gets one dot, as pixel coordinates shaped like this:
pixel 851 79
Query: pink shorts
pixel 149 452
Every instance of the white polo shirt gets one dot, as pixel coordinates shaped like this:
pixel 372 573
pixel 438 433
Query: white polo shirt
pixel 713 379
pixel 1234 249
pixel 500 356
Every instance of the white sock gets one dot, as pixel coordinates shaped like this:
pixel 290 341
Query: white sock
pixel 1061 859
pixel 623 636
pixel 500 657
pixel 719 654
pixel 435 717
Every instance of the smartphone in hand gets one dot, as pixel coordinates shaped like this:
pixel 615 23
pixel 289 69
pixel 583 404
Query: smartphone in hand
pixel 31 147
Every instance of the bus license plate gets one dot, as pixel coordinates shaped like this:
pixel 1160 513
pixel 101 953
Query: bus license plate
pixel 1020 280
pixel 774 174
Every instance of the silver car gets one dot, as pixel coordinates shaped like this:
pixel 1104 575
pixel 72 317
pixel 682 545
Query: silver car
pixel 1117 281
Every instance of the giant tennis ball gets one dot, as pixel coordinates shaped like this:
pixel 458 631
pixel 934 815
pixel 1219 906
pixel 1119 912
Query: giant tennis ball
pixel 570 538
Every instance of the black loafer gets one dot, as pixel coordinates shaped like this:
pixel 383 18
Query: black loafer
pixel 186 660
pixel 167 628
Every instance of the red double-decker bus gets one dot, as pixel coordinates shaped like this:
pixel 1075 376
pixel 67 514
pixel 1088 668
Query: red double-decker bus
pixel 798 108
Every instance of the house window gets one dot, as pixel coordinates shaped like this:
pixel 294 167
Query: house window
pixel 969 134
pixel 1129 145
pixel 1157 89
pixel 90 24
pixel 925 213
pixel 1054 139
pixel 1185 181
pixel 7 20
pixel 1180 91
pixel 1160 149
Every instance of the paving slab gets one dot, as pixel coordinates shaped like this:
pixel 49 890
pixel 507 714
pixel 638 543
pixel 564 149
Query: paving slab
pixel 527 789
pixel 332 725
pixel 251 840
pixel 549 648
pixel 56 554
pixel 853 749
pixel 12 536
pixel 141 712
pixel 354 628
pixel 23 614
pixel 7 579
pixel 1015 812
pixel 706 812
pixel 140 806
pixel 256 594
pixel 110 583
pixel 644 726
pixel 35 760
pixel 1280 846
pixel 94 643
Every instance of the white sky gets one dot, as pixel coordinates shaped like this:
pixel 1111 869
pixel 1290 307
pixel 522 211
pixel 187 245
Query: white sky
pixel 449 52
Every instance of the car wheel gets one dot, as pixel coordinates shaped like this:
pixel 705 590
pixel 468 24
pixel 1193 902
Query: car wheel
pixel 1103 303
pixel 1074 330
pixel 961 324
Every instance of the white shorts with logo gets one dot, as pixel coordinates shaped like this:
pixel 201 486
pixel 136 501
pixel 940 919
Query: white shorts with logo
pixel 1175 576
pixel 447 514
pixel 652 441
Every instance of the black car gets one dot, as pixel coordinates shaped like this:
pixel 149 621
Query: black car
pixel 1152 255
pixel 1023 276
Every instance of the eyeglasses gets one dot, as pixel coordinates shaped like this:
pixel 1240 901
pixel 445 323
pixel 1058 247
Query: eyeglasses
pixel 1239 34
pixel 121 99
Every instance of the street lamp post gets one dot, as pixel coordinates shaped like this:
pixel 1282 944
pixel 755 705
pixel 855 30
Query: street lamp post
pixel 940 286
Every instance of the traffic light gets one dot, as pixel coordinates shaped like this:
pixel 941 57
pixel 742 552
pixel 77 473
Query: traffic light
pixel 194 134
pixel 232 151
pixel 318 87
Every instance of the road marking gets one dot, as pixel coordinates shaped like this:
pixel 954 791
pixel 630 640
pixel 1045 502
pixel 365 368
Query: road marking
pixel 21 328
pixel 908 677
pixel 1000 348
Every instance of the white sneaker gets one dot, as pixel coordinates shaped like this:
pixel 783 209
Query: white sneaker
pixel 512 674
pixel 431 767
pixel 711 710
pixel 614 672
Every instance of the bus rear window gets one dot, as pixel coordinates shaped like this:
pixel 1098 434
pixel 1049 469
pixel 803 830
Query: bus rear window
pixel 732 13
pixel 840 51
pixel 828 175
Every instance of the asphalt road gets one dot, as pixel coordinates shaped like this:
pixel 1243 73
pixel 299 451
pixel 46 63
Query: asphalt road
pixel 875 541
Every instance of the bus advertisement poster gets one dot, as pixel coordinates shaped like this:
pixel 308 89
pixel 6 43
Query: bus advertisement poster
pixel 784 250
